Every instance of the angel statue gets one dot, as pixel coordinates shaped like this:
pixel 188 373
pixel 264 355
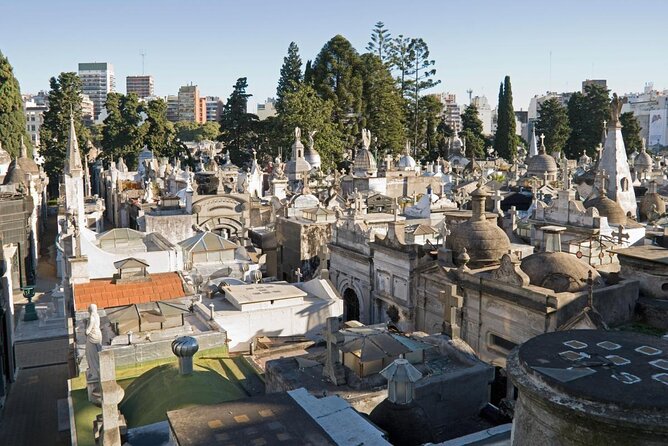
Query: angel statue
pixel 298 134
pixel 311 134
pixel 366 138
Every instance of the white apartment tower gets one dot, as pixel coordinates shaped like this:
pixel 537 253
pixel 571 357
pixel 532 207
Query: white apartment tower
pixel 97 79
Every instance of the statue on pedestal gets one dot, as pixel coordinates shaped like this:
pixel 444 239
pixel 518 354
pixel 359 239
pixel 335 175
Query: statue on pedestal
pixel 93 345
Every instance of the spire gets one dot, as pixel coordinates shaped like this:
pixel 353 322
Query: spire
pixel 24 149
pixel 73 158
pixel 533 149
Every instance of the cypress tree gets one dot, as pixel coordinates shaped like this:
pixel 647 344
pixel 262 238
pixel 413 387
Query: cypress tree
pixel 291 75
pixel 505 141
pixel 12 119
pixel 237 126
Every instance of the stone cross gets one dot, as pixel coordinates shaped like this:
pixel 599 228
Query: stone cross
pixel 451 304
pixel 604 178
pixel 599 150
pixel 333 368
pixel 545 175
pixel 498 198
pixel 542 141
pixel 566 176
pixel 298 275
pixel 620 235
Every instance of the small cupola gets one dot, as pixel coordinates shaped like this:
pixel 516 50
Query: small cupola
pixel 130 270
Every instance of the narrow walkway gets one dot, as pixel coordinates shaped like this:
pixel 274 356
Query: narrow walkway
pixel 31 413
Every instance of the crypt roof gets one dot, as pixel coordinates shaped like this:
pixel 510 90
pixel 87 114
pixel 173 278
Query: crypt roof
pixel 206 242
pixel 559 272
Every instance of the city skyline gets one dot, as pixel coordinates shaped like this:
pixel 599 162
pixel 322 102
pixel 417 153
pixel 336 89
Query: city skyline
pixel 546 48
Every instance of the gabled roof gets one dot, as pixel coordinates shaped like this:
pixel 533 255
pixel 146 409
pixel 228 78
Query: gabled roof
pixel 207 242
pixel 130 262
pixel 121 234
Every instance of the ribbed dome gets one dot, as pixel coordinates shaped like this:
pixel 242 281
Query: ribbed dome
pixel 540 164
pixel 312 157
pixel 607 208
pixel 484 241
pixel 406 162
pixel 364 164
pixel 559 272
pixel 643 162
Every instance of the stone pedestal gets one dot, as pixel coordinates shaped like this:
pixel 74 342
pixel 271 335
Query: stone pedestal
pixel 79 269
pixel 279 188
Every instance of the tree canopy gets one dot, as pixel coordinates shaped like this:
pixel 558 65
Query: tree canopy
pixel 237 126
pixel 64 100
pixel 505 140
pixel 291 75
pixel 586 113
pixel 122 135
pixel 553 123
pixel 472 132
pixel 12 119
pixel 630 132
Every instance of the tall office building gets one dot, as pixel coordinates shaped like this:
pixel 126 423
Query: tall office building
pixel 450 112
pixel 142 86
pixel 97 79
pixel 87 110
pixel 34 109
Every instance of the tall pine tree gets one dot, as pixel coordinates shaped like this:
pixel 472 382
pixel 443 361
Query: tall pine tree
pixel 472 132
pixel 336 77
pixel 381 43
pixel 12 119
pixel 383 108
pixel 586 113
pixel 291 75
pixel 64 100
pixel 420 71
pixel 237 126
pixel 505 140
pixel 553 123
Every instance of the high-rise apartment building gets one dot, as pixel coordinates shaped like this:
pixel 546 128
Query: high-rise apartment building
pixel 214 107
pixel 600 82
pixel 142 86
pixel 97 79
pixel 451 114
pixel 87 110
pixel 34 109
pixel 172 108
pixel 189 104
pixel 484 113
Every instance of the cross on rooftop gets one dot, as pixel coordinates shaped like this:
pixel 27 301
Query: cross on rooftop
pixel 298 275
pixel 620 235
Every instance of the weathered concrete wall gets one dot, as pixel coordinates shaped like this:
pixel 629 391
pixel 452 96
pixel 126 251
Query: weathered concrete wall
pixel 174 228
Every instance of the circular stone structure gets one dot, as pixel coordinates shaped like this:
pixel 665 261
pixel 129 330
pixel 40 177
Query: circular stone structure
pixel 607 208
pixel 590 387
pixel 559 271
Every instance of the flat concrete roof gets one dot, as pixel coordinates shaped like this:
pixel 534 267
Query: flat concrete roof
pixel 262 292
pixel 650 253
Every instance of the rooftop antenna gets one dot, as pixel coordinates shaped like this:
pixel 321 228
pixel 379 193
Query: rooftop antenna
pixel 549 82
pixel 143 56
pixel 470 92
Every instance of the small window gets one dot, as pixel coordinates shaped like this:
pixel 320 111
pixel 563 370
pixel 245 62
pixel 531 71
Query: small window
pixel 664 287
pixel 624 184
pixel 501 343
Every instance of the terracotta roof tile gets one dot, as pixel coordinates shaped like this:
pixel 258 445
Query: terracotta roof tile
pixel 104 293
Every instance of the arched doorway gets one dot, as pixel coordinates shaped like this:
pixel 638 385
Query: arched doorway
pixel 351 305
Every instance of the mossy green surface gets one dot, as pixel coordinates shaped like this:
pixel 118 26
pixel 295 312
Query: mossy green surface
pixel 154 388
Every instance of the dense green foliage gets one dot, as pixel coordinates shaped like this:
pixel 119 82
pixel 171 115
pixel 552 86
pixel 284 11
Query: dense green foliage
pixel 337 78
pixel 12 119
pixel 291 75
pixel 382 105
pixel 122 135
pixel 64 100
pixel 195 131
pixel 586 113
pixel 159 133
pixel 505 140
pixel 630 132
pixel 237 126
pixel 553 123
pixel 472 132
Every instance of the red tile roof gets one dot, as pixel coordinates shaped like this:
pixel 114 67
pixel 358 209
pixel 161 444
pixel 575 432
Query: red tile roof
pixel 104 293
